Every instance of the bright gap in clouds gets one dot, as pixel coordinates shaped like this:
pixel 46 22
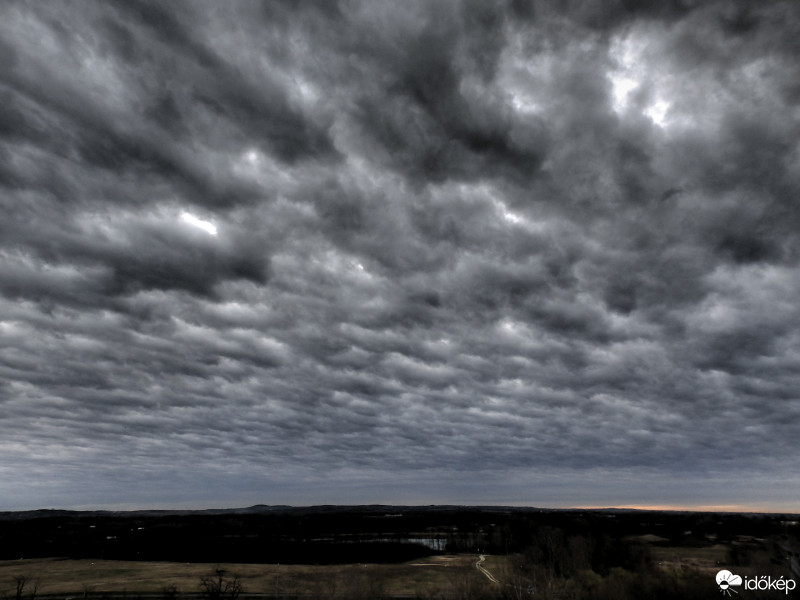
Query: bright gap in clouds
pixel 658 113
pixel 206 226
pixel 633 68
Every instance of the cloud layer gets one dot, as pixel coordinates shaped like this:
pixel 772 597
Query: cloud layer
pixel 465 252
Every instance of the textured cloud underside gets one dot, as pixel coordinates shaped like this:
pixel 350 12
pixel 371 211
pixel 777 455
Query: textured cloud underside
pixel 376 251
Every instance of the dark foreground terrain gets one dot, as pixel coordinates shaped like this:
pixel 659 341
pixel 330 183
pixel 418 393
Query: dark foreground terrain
pixel 390 551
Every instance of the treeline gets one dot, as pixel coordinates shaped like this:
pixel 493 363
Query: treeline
pixel 596 564
pixel 593 565
pixel 570 540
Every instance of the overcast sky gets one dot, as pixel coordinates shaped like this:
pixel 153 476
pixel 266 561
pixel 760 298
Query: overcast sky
pixel 540 253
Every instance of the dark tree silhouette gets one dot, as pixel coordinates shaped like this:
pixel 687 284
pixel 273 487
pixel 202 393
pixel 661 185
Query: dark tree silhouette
pixel 24 589
pixel 220 587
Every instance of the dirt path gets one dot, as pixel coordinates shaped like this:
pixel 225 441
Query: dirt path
pixel 482 569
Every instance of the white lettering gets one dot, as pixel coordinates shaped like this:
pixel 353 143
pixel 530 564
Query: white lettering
pixel 765 582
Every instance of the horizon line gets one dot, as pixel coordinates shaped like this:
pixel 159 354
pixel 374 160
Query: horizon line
pixel 709 508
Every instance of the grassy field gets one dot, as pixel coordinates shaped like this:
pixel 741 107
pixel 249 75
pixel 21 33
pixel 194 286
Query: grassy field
pixel 707 559
pixel 74 577
pixel 427 577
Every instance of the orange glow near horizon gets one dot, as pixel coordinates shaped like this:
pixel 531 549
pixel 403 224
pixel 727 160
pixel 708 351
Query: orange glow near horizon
pixel 747 508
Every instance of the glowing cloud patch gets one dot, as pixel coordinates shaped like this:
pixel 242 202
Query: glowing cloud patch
pixel 658 113
pixel 206 226
pixel 621 88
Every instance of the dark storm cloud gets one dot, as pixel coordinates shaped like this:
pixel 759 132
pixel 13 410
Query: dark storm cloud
pixel 356 251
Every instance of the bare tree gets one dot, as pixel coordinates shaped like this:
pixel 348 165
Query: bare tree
pixel 24 588
pixel 220 587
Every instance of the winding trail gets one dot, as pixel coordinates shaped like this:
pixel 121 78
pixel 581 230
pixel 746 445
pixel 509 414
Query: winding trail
pixel 482 569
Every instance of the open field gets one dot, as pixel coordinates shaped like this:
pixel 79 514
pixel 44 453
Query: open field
pixel 380 551
pixel 74 577
pixel 706 559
